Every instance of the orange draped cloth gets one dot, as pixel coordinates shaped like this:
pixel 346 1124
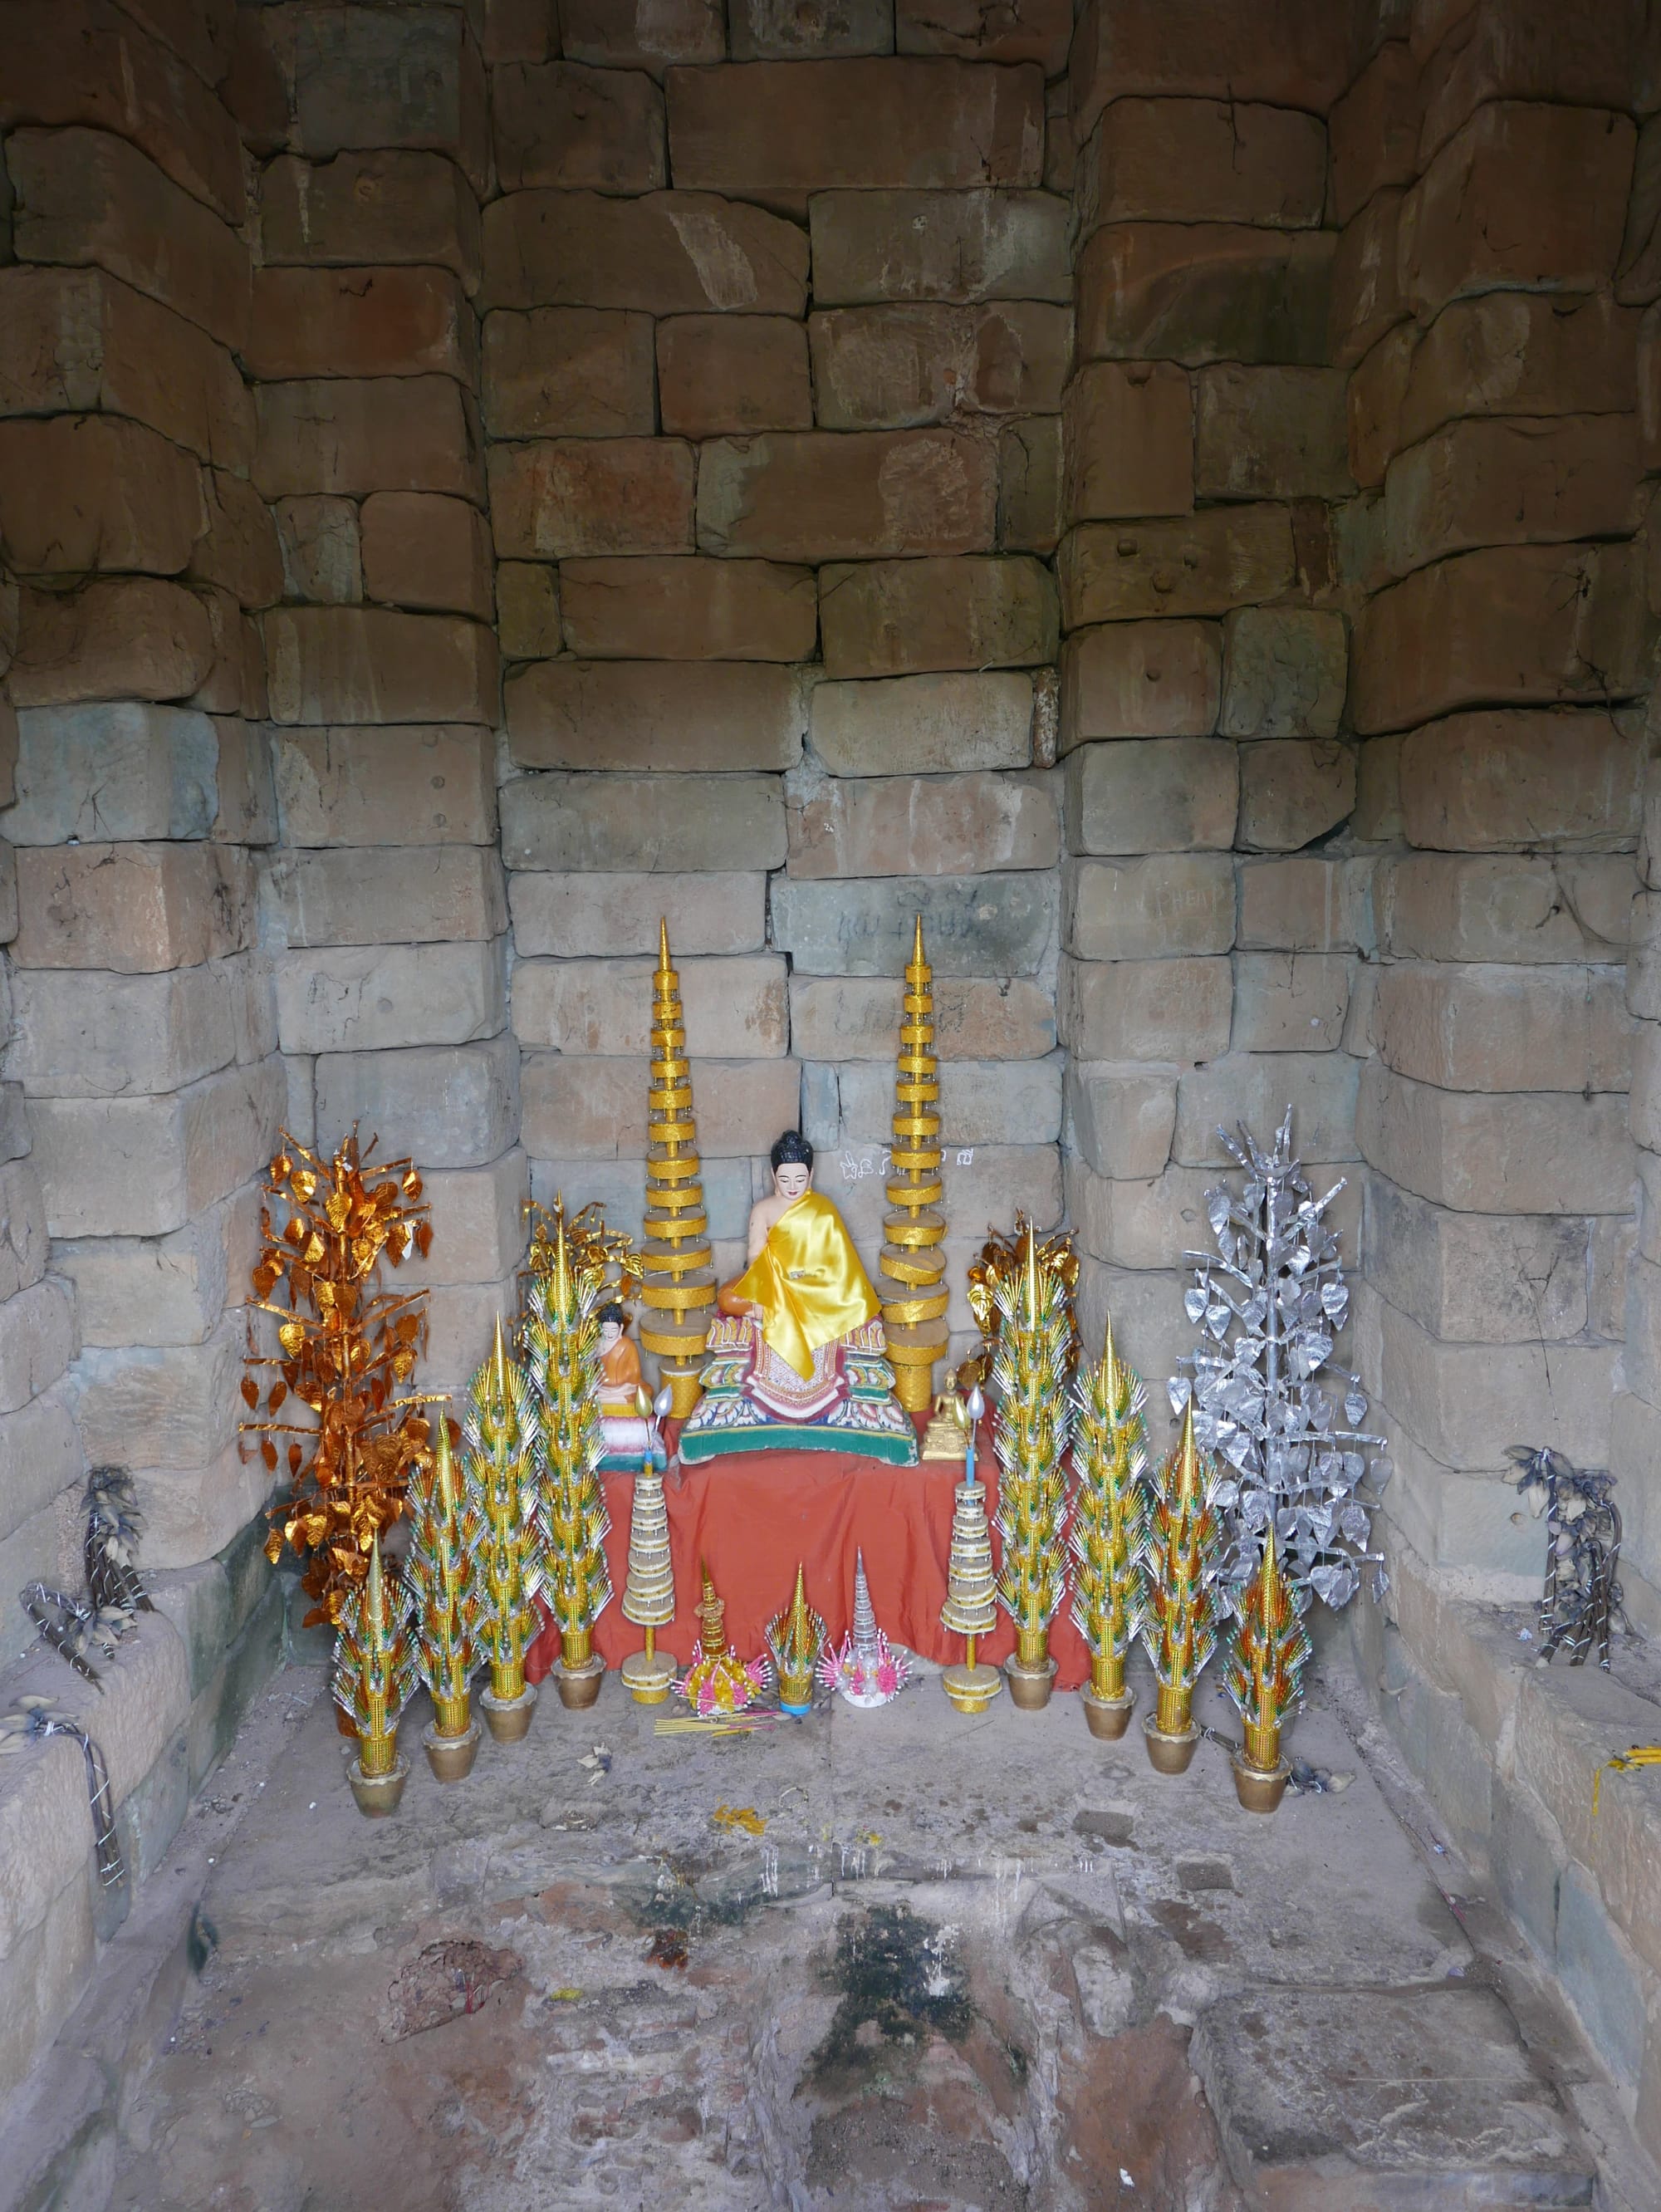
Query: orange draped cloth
pixel 753 1515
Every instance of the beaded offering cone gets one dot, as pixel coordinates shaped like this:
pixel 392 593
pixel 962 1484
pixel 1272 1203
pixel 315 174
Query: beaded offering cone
pixel 1263 1677
pixel 867 1670
pixel 717 1682
pixel 375 1675
pixel 795 1638
pixel 1031 1375
pixel 562 1336
pixel 1181 1577
pixel 498 1432
pixel 678 1290
pixel 446 1534
pixel 649 1592
pixel 911 1284
pixel 1109 1533
pixel 970 1607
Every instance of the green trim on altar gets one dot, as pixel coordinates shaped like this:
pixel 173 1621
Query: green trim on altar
pixel 861 1444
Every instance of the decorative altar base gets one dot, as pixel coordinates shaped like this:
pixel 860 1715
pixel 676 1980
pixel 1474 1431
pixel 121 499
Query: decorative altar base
pixel 753 1515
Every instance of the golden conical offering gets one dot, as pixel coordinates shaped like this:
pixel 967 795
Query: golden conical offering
pixel 678 1289
pixel 795 1638
pixel 1031 1292
pixel 375 1675
pixel 717 1683
pixel 649 1592
pixel 499 1433
pixel 970 1607
pixel 1264 1678
pixel 447 1530
pixel 562 1336
pixel 912 1282
pixel 1180 1579
pixel 1109 1533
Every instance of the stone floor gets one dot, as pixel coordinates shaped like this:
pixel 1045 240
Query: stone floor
pixel 936 1963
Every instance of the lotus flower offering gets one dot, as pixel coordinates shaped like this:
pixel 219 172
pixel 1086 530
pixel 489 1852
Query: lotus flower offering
pixel 867 1670
pixel 717 1682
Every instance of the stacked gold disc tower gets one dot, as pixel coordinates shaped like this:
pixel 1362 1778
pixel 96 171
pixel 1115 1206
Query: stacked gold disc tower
pixel 912 1285
pixel 678 1291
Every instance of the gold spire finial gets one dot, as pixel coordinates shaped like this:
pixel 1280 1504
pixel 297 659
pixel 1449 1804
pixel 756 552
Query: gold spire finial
pixel 917 960
pixel 499 1362
pixel 375 1593
pixel 662 945
pixel 443 1467
pixel 1187 1485
pixel 561 1266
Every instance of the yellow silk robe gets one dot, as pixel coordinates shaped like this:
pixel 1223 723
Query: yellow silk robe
pixel 808 1283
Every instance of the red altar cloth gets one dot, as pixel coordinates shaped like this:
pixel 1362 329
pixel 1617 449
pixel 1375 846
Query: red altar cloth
pixel 753 1515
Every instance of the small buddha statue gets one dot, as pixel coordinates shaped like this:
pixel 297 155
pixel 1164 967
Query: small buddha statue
pixel 629 1437
pixel 797 1349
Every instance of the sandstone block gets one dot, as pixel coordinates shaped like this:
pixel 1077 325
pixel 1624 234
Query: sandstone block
pixel 735 1009
pixel 1478 482
pixel 895 365
pixel 402 77
pixel 360 323
pixel 1271 434
pixel 424 785
pixel 41 1457
pixel 190 1514
pixel 1140 1222
pixel 121 637
pixel 1307 904
pixel 117 770
pixel 80 1033
pixel 773 129
pixel 141 1167
pixel 1120 1117
pixel 952 246
pixel 1158 679
pixel 718 373
pixel 923 725
pixel 1506 908
pixel 669 253
pixel 1207 563
pixel 1029 485
pixel 131 907
pixel 1146 909
pixel 376 433
pixel 997 1102
pixel 479 1227
pixel 1290 1001
pixel 321 549
pixel 1172 795
pixel 1558 1395
pixel 581 1108
pixel 655 714
pixel 689 610
pixel 445 894
pixel 422 549
pixel 598 915
pixel 1204 161
pixel 89 63
pixel 374 208
pixel 620 1186
pixel 1175 1010
pixel 373 665
pixel 1481 1028
pixel 564 497
pixel 1150 1330
pixel 1366 292
pixel 87 196
pixel 1522 624
pixel 1295 53
pixel 1495 1153
pixel 563 123
pixel 77 340
pixel 164 1290
pixel 1283 673
pixel 450 1106
pixel 38 1340
pixel 684 823
pixel 164 1405
pixel 847 1017
pixel 1377 394
pixel 1034 31
pixel 1479 782
pixel 994 924
pixel 350 999
pixel 1596 58
pixel 240 550
pixel 528 626
pixel 1128 435
pixel 1375 129
pixel 923 826
pixel 892 617
pixel 1204 292
pixel 819 495
pixel 649 34
pixel 1319 1087
pixel 1526 195
pixel 781 30
pixel 22 1229
pixel 569 371
pixel 1522 352
pixel 1293 790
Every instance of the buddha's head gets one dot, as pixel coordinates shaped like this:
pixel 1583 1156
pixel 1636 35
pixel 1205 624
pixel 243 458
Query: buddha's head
pixel 792 1165
pixel 614 1325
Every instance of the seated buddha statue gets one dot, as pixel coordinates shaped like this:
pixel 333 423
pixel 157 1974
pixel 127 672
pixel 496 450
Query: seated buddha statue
pixel 797 1353
pixel 628 1438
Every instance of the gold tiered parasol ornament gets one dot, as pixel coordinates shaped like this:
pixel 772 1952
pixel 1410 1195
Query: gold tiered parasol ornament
pixel 911 1285
pixel 678 1291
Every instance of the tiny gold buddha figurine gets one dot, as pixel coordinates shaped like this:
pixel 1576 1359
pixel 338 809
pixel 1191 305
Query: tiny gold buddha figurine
pixel 798 1353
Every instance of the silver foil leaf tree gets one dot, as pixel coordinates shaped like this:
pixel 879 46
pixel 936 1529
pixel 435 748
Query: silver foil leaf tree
pixel 1283 1422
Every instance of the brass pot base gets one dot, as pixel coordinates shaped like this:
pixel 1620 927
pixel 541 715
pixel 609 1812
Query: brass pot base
pixel 450 1757
pixel 1107 1717
pixel 972 1689
pixel 1260 1790
pixel 377 1794
pixel 508 1719
pixel 1170 1755
pixel 647 1680
pixel 1030 1687
pixel 579 1686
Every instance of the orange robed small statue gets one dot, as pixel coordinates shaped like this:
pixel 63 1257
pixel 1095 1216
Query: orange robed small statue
pixel 627 1438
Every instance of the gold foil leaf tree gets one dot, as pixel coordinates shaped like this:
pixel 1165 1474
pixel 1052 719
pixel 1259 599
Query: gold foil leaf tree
pixel 335 1387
